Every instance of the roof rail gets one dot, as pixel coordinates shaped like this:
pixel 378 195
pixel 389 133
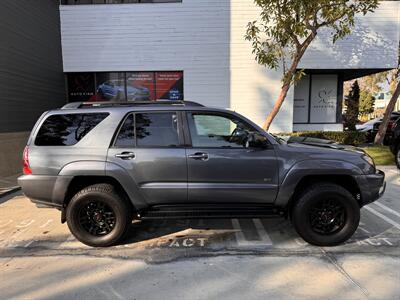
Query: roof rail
pixel 75 105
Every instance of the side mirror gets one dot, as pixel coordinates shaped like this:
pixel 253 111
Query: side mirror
pixel 256 140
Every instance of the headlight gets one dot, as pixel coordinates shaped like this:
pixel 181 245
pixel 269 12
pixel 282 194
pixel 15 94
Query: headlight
pixel 369 159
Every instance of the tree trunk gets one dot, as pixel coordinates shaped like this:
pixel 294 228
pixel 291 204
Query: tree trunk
pixel 277 106
pixel 386 117
pixel 288 81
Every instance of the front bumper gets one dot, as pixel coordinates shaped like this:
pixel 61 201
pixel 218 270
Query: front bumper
pixel 372 186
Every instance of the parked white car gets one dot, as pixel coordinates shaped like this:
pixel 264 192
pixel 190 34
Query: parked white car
pixel 367 126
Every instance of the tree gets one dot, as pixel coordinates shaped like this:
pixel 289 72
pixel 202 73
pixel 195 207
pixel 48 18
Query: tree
pixel 286 29
pixel 389 109
pixel 367 101
pixel 352 103
pixel 370 83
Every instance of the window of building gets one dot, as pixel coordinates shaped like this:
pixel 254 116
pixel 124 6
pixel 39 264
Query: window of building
pixel 76 2
pixel 110 87
pixel 208 130
pixel 149 130
pixel 125 86
pixel 316 99
pixel 67 129
pixel 81 87
pixel 141 86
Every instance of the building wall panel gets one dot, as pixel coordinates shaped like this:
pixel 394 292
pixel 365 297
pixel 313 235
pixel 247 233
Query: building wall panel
pixel 192 36
pixel 373 43
pixel 31 74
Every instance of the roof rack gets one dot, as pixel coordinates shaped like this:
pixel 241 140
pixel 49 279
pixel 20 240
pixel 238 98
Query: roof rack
pixel 75 105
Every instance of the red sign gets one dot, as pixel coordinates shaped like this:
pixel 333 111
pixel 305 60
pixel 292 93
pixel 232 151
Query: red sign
pixel 169 85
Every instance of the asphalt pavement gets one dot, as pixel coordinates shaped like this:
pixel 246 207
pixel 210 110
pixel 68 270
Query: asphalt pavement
pixel 199 259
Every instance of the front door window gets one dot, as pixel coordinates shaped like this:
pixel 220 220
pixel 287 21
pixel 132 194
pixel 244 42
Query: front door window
pixel 217 131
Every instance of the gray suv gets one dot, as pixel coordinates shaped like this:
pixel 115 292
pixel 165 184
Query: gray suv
pixel 104 164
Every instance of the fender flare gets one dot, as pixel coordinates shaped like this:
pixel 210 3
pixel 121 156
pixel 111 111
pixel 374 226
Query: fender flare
pixel 128 184
pixel 104 169
pixel 311 167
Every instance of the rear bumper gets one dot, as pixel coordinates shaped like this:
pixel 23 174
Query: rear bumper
pixel 45 190
pixel 372 186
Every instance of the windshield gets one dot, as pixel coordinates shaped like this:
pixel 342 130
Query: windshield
pixel 278 139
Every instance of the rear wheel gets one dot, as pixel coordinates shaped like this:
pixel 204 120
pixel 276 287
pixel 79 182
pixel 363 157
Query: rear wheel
pixel 397 155
pixel 326 215
pixel 98 216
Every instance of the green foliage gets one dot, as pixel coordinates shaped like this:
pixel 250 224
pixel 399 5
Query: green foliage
pixel 367 102
pixel 342 137
pixel 381 155
pixel 352 102
pixel 287 27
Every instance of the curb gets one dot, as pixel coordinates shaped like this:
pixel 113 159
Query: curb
pixel 9 191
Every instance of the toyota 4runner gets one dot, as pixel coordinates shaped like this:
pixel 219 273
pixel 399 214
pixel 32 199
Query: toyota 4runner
pixel 104 164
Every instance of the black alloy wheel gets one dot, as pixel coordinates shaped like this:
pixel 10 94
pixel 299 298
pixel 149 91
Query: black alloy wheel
pixel 327 216
pixel 99 215
pixel 97 218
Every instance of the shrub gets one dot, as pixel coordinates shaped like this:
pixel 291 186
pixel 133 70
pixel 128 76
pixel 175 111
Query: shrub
pixel 342 137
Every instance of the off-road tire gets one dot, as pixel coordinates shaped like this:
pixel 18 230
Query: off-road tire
pixel 105 194
pixel 313 196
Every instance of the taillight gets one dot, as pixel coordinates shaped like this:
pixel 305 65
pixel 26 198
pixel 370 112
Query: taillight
pixel 26 169
pixel 390 125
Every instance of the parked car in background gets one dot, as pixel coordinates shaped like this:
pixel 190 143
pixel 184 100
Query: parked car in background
pixel 115 90
pixel 395 142
pixel 372 126
pixel 173 159
pixel 389 129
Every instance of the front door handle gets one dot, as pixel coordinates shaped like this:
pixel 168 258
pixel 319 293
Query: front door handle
pixel 199 156
pixel 125 155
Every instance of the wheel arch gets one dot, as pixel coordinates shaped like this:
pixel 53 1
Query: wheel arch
pixel 346 181
pixel 305 173
pixel 80 182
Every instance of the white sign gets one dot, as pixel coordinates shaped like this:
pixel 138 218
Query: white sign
pixel 323 104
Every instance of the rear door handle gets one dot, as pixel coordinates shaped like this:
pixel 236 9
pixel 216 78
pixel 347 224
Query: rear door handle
pixel 125 155
pixel 199 156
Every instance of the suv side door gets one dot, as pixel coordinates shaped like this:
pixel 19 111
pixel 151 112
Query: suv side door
pixel 222 168
pixel 149 146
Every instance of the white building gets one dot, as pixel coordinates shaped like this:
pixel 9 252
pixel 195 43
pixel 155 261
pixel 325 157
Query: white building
pixel 195 49
pixel 383 99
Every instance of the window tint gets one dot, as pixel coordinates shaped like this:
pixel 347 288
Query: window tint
pixel 68 129
pixel 156 129
pixel 126 135
pixel 209 130
pixel 152 130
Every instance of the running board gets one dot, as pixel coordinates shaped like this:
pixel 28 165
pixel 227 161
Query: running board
pixel 210 212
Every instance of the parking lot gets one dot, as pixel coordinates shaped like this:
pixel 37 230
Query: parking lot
pixel 202 258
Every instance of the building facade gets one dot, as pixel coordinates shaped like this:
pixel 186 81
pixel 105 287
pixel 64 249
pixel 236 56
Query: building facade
pixel 382 100
pixel 195 50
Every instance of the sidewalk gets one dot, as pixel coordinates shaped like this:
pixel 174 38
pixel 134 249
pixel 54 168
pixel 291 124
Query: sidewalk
pixel 8 185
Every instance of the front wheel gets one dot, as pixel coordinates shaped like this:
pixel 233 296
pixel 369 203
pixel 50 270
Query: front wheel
pixel 98 216
pixel 326 215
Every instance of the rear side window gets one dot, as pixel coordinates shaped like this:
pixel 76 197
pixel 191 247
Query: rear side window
pixel 149 130
pixel 67 129
pixel 126 135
